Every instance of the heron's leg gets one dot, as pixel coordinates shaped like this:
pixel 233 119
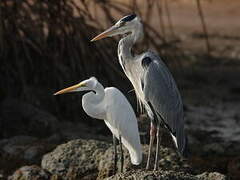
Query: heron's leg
pixel 152 137
pixel 121 153
pixel 115 154
pixel 158 148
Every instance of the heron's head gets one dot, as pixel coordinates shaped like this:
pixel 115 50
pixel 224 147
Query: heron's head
pixel 86 85
pixel 125 25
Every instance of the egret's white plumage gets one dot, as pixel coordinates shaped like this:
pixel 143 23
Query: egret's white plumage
pixel 112 106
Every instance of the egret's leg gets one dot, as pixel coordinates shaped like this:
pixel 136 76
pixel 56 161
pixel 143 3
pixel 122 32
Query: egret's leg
pixel 152 137
pixel 157 148
pixel 115 154
pixel 121 153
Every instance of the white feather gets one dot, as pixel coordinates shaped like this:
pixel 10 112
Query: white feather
pixel 112 106
pixel 121 120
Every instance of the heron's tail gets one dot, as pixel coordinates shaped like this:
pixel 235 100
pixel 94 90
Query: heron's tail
pixel 182 144
pixel 186 150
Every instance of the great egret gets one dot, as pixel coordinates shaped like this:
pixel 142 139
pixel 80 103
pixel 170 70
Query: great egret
pixel 112 106
pixel 153 83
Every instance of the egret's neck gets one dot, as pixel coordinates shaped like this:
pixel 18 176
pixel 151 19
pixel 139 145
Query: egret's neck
pixel 96 97
pixel 92 102
pixel 125 44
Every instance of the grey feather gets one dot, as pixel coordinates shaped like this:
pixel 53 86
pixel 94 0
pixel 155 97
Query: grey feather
pixel 154 85
pixel 161 91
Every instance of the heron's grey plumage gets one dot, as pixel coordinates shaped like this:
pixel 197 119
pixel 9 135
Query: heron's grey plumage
pixel 161 91
pixel 153 83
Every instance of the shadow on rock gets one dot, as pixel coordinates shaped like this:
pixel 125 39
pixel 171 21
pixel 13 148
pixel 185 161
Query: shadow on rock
pixel 20 118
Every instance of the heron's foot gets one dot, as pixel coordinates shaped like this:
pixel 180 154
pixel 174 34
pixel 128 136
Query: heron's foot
pixel 155 167
pixel 121 154
pixel 156 164
pixel 152 137
pixel 147 167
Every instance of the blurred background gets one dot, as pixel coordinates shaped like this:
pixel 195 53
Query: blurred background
pixel 45 46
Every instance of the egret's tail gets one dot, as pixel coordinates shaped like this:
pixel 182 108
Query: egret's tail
pixel 135 151
pixel 136 157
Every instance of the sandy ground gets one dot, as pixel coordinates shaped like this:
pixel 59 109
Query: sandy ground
pixel 221 17
pixel 222 20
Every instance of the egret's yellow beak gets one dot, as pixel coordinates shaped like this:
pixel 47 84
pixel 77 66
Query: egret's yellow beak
pixel 108 33
pixel 71 88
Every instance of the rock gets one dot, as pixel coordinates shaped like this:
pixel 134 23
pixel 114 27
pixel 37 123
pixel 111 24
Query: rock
pixel 8 163
pixel 165 175
pixel 55 139
pixel 32 153
pixel 106 164
pixel 15 146
pixel 19 140
pixel 169 160
pixel 234 168
pixel 30 173
pixel 220 119
pixel 20 118
pixel 21 150
pixel 153 175
pixel 77 158
pixel 26 148
pixel 211 176
pixel 213 148
pixel 1 128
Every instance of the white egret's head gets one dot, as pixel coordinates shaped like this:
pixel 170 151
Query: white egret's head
pixel 125 25
pixel 86 85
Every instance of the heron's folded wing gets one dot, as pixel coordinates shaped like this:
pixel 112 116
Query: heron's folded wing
pixel 161 92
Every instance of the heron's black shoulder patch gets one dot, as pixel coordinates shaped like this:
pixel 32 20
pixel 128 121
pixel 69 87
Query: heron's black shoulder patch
pixel 146 61
pixel 129 18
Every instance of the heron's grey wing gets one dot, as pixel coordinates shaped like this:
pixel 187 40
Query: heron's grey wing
pixel 162 94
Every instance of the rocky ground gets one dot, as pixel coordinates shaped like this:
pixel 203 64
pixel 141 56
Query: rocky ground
pixel 73 151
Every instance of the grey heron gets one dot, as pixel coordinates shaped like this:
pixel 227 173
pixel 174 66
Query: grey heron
pixel 153 83
pixel 112 106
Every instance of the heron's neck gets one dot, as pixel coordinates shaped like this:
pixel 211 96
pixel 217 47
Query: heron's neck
pixel 125 47
pixel 125 44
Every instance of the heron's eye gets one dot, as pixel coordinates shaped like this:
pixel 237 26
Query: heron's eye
pixel 121 23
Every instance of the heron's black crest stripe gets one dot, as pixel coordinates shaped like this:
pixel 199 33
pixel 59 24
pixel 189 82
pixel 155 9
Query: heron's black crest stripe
pixel 129 18
pixel 146 61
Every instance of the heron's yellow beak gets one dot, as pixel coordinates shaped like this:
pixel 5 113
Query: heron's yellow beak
pixel 71 88
pixel 108 33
